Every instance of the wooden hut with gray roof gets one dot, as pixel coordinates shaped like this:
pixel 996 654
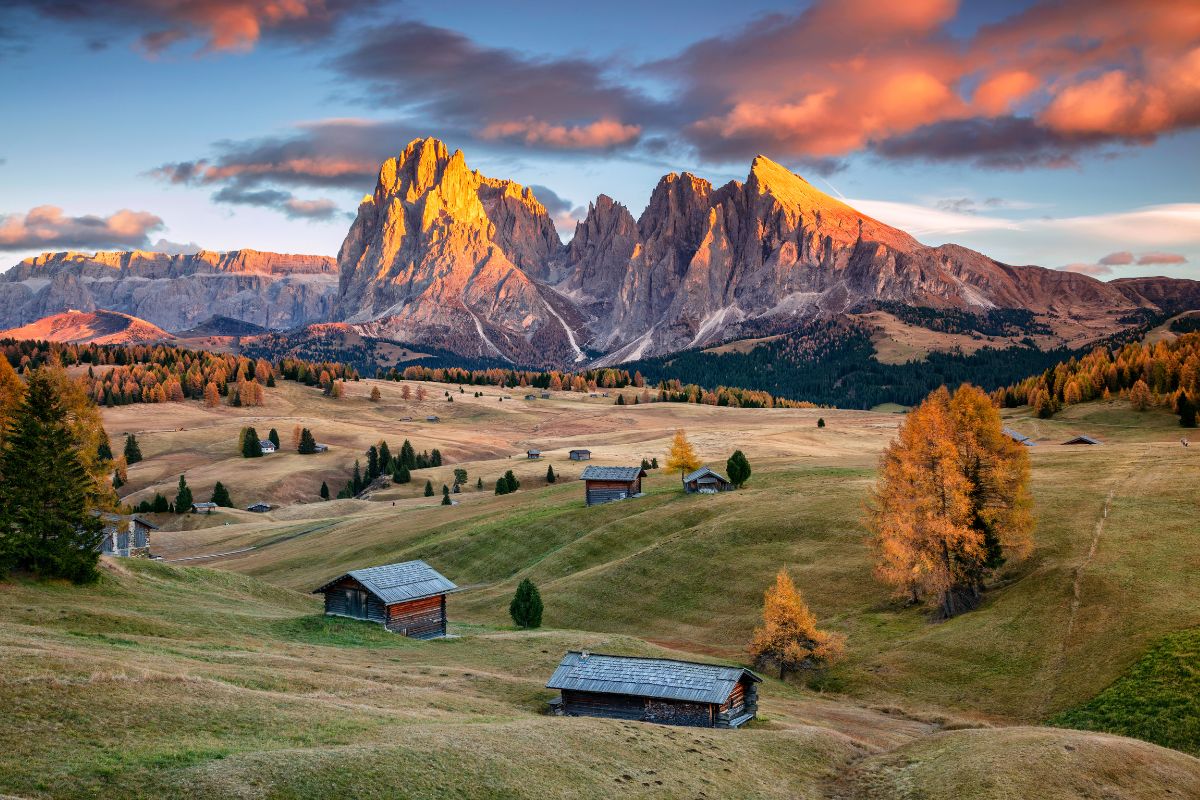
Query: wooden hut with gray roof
pixel 407 598
pixel 654 690
pixel 606 484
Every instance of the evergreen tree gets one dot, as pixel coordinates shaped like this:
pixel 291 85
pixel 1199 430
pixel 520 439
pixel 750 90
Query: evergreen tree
pixel 408 456
pixel 356 481
pixel 220 496
pixel 446 501
pixel 435 458
pixel 308 444
pixel 324 490
pixel 273 438
pixel 160 504
pixel 429 488
pixel 183 497
pixel 654 463
pixel 385 459
pixel 550 476
pixel 251 446
pixel 526 606
pixel 460 475
pixel 479 484
pixel 401 474
pixel 117 483
pixel 133 453
pixel 820 422
pixel 445 490
pixel 645 464
pixel 46 496
pixel 620 399
pixel 501 486
pixel 372 463
pixel 738 468
pixel 511 481
pixel 1186 409
pixel 104 451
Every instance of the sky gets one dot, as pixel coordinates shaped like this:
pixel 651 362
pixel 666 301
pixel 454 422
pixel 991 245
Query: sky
pixel 1064 133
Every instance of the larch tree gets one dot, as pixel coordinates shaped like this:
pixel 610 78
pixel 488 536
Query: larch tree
pixel 681 455
pixel 1139 396
pixel 951 503
pixel 789 638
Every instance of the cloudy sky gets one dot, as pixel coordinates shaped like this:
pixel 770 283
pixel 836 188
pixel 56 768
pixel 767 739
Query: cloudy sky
pixel 1062 133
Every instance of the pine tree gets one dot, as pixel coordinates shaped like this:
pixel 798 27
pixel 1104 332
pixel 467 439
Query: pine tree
pixel 104 451
pixel 681 456
pixel 385 459
pixel 460 475
pixel 738 468
pixel 324 490
pixel 479 484
pixel 654 462
pixel 372 463
pixel 160 504
pixel 820 422
pixel 501 486
pixel 511 481
pixel 429 488
pixel 47 495
pixel 645 464
pixel 445 490
pixel 273 438
pixel 183 497
pixel 401 474
pixel 251 445
pixel 526 606
pixel 133 453
pixel 620 399
pixel 117 483
pixel 356 481
pixel 308 445
pixel 550 476
pixel 408 456
pixel 220 496
pixel 789 638
pixel 1186 409
pixel 446 501
pixel 435 458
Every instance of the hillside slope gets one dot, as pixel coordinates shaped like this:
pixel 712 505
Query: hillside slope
pixel 98 327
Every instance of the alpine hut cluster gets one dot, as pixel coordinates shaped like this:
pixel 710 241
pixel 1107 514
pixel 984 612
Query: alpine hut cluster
pixel 654 690
pixel 407 598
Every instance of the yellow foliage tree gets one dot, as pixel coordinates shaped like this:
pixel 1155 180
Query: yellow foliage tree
pixel 952 501
pixel 12 390
pixel 1139 396
pixel 789 638
pixel 681 455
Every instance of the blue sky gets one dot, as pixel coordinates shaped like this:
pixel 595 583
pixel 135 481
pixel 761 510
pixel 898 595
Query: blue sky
pixel 1062 134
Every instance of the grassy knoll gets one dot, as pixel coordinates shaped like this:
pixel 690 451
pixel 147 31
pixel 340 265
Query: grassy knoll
pixel 1157 699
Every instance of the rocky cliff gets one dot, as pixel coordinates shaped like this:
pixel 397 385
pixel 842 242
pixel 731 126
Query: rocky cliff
pixel 174 292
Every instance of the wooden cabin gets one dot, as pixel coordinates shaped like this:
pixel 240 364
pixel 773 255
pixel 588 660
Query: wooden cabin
pixel 606 484
pixel 706 481
pixel 581 455
pixel 654 690
pixel 206 507
pixel 533 455
pixel 267 446
pixel 545 395
pixel 1018 437
pixel 126 536
pixel 259 508
pixel 1082 440
pixel 407 598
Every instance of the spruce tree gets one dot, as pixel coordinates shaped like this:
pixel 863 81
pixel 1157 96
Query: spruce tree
pixel 372 463
pixel 324 490
pixel 445 490
pixel 821 422
pixel 385 459
pixel 251 446
pixel 103 450
pixel 446 501
pixel 526 606
pixel 408 456
pixel 738 468
pixel 479 484
pixel 460 475
pixel 645 464
pixel 133 453
pixel 429 488
pixel 356 482
pixel 511 481
pixel 501 486
pixel 160 504
pixel 620 400
pixel 46 496
pixel 273 438
pixel 220 496
pixel 183 497
pixel 117 483
pixel 435 458
pixel 308 445
pixel 401 474
pixel 654 463
pixel 1186 409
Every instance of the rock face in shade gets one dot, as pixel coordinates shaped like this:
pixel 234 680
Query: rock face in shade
pixel 173 292
pixel 442 255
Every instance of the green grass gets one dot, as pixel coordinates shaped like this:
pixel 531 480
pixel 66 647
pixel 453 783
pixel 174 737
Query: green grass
pixel 1157 699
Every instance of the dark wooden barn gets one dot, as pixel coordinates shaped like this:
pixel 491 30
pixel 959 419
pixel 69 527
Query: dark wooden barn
pixel 706 481
pixel 580 455
pixel 407 598
pixel 606 484
pixel 654 690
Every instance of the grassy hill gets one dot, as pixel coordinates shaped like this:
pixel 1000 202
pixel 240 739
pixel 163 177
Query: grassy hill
pixel 167 680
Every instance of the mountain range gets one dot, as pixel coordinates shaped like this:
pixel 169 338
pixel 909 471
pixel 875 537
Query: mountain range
pixel 442 256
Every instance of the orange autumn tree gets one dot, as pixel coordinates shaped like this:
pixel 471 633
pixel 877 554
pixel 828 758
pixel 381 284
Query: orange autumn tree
pixel 952 502
pixel 789 638
pixel 681 455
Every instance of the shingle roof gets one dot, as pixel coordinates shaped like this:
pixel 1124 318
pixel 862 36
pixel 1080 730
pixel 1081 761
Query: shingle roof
pixel 396 583
pixel 703 471
pixel 594 473
pixel 1082 440
pixel 647 677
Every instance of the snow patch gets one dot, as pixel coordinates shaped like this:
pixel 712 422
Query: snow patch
pixel 579 354
pixel 482 335
pixel 35 285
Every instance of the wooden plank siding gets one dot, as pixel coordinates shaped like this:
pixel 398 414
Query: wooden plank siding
pixel 420 619
pixel 639 709
pixel 608 491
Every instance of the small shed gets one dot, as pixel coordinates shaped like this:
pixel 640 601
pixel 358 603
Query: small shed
pixel 545 395
pixel 654 690
pixel 407 598
pixel 433 418
pixel 533 455
pixel 267 446
pixel 1082 440
pixel 204 508
pixel 531 397
pixel 321 448
pixel 126 536
pixel 1018 437
pixel 706 481
pixel 259 507
pixel 581 455
pixel 606 484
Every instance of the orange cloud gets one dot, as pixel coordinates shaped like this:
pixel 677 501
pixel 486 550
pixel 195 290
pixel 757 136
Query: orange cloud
pixel 599 135
pixel 999 93
pixel 48 226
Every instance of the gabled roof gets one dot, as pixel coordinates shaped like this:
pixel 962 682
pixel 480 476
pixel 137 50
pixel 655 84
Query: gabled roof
pixel 647 677
pixel 1017 436
pixel 581 450
pixel 1082 440
pixel 702 472
pixel 396 583
pixel 205 504
pixel 628 474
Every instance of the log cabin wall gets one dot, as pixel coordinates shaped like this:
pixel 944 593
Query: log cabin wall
pixel 339 602
pixel 608 491
pixel 638 709
pixel 420 619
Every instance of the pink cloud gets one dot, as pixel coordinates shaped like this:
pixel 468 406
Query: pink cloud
pixel 1095 270
pixel 1120 258
pixel 599 135
pixel 49 227
pixel 1160 258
